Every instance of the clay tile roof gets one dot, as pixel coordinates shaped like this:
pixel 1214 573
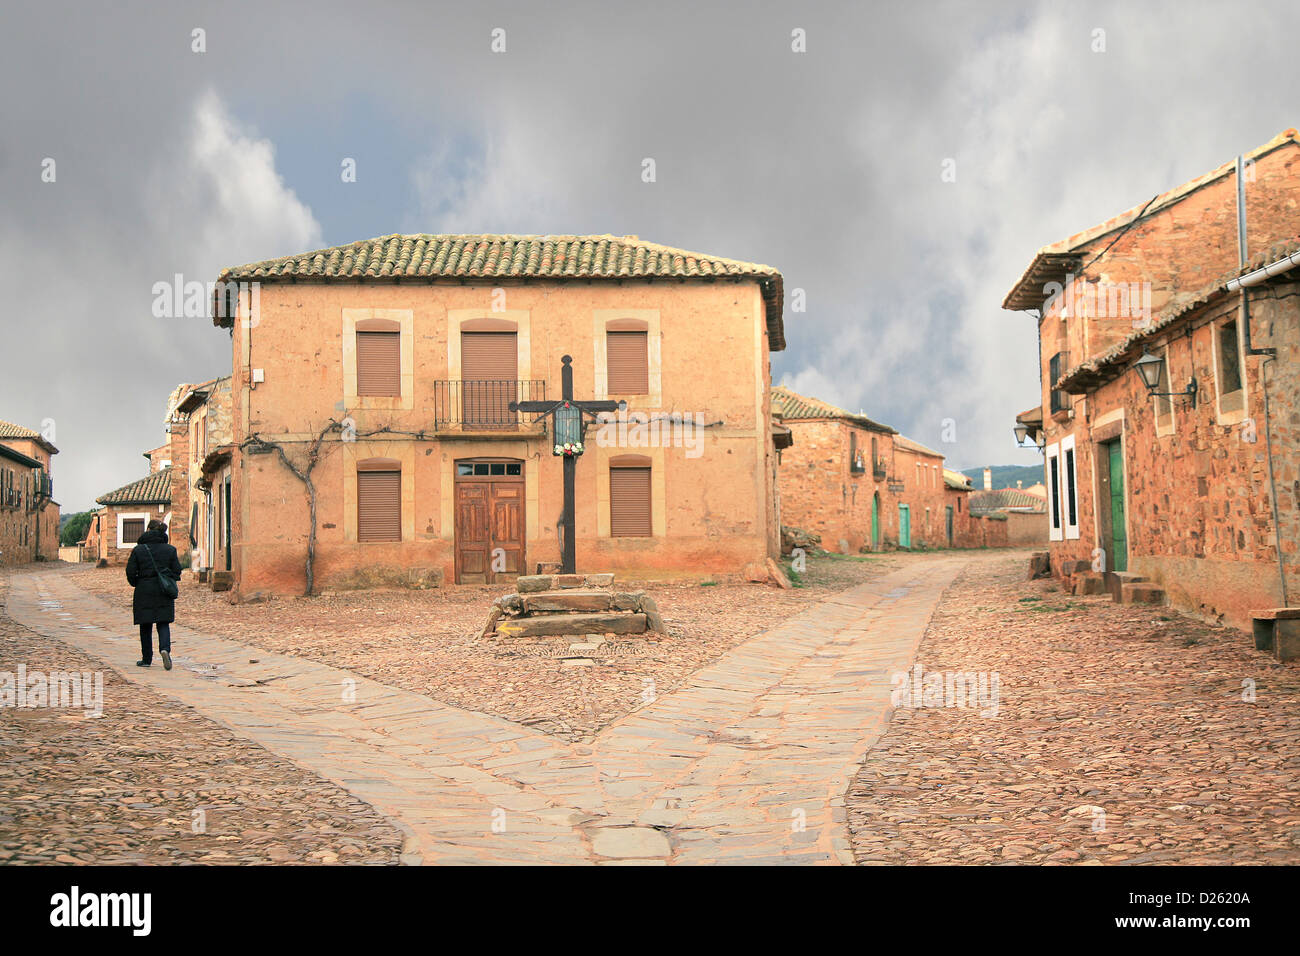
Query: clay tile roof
pixel 1101 368
pixel 155 489
pixel 8 430
pixel 792 406
pixel 905 443
pixel 1052 262
pixel 1002 499
pixel 488 257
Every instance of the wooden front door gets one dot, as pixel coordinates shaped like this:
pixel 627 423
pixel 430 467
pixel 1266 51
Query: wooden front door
pixel 490 546
pixel 904 526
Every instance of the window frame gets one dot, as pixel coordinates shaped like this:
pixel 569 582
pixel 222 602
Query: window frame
pixel 1069 465
pixel 1055 526
pixel 633 463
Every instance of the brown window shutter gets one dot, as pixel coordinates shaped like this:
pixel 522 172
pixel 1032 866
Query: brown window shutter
pixel 627 360
pixel 132 528
pixel 629 502
pixel 379 363
pixel 379 506
pixel 489 368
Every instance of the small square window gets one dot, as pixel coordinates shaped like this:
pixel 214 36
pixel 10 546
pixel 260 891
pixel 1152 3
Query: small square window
pixel 514 469
pixel 497 468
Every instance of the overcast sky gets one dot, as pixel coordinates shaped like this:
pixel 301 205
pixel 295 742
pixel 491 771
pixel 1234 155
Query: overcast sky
pixel 826 164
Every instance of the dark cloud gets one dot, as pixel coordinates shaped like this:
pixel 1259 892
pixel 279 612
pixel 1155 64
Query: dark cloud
pixel 826 164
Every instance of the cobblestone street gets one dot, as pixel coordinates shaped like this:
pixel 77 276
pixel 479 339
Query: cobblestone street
pixel 1120 736
pixel 1123 735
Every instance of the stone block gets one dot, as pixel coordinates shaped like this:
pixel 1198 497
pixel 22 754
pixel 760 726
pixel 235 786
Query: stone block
pixel 533 582
pixel 654 621
pixel 568 625
pixel 602 580
pixel 1286 639
pixel 222 580
pixel 568 600
pixel 1115 581
pixel 1142 593
pixel 756 573
pixel 1039 565
pixel 568 580
pixel 626 600
pixel 778 575
pixel 1089 582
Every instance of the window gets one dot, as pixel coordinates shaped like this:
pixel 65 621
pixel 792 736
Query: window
pixel 379 500
pixel 1163 405
pixel 1054 531
pixel 467 469
pixel 627 359
pixel 132 528
pixel 489 368
pixel 379 363
pixel 629 502
pixel 1228 367
pixel 1070 501
pixel 1057 366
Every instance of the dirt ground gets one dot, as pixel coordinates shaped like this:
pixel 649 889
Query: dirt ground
pixel 427 641
pixel 1123 734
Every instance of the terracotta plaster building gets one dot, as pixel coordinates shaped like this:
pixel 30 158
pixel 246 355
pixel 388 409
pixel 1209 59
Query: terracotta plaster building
pixel 29 515
pixel 864 487
pixel 1193 486
pixel 376 379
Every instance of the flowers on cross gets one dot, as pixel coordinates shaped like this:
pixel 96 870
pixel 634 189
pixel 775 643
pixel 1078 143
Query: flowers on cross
pixel 569 448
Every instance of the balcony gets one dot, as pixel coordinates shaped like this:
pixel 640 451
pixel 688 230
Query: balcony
pixel 481 409
pixel 878 471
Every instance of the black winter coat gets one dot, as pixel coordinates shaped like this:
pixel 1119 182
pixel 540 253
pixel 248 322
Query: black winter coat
pixel 150 605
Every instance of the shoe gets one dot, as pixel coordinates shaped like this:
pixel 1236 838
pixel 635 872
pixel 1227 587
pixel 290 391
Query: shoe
pixel 144 663
pixel 167 660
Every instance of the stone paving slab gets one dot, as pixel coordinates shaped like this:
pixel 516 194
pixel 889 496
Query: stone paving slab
pixel 748 763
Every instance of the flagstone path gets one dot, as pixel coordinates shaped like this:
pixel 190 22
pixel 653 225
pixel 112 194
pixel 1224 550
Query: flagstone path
pixel 749 763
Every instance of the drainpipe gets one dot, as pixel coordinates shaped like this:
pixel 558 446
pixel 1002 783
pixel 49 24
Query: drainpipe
pixel 1242 283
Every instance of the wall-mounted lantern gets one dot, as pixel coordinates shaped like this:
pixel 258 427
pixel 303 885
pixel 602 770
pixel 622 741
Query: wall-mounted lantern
pixel 1022 433
pixel 1148 367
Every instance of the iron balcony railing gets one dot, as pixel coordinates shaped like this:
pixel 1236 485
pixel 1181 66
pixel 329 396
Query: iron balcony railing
pixel 460 405
pixel 878 470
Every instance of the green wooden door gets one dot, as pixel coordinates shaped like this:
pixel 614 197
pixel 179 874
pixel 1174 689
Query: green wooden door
pixel 875 521
pixel 1118 539
pixel 948 511
pixel 904 526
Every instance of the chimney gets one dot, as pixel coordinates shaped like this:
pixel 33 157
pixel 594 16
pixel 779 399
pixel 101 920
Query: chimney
pixel 988 479
pixel 1017 483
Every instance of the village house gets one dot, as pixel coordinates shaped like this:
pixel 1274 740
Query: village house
pixel 1023 509
pixel 1184 489
pixel 29 515
pixel 372 391
pixel 125 513
pixel 864 487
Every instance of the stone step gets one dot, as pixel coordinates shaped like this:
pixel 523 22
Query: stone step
pixel 1115 581
pixel 1089 582
pixel 567 625
pixel 1142 593
pixel 571 600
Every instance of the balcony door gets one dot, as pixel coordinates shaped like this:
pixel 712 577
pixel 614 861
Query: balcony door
pixel 489 363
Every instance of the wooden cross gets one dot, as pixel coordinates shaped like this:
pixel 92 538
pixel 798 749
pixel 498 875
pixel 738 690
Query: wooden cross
pixel 569 409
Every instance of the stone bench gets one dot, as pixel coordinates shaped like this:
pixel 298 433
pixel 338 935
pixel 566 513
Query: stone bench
pixel 1277 630
pixel 567 605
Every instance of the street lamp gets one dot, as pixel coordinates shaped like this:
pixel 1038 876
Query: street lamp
pixel 1149 368
pixel 1022 432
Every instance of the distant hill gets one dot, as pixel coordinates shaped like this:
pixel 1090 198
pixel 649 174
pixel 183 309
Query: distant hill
pixel 1006 476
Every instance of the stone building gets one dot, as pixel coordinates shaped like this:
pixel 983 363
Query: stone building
pixel 29 515
pixel 388 367
pixel 1186 491
pixel 864 487
pixel 124 514
pixel 1023 509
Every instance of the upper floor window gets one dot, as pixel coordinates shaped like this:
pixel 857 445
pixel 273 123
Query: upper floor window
pixel 1228 366
pixel 379 358
pixel 1057 366
pixel 627 357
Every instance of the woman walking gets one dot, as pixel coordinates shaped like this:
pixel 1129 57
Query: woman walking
pixel 152 570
